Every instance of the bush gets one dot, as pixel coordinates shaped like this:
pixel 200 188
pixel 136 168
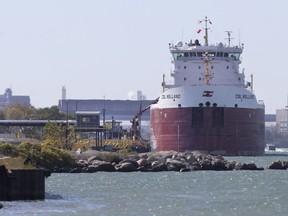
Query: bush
pixel 30 150
pixel 8 149
pixel 45 156
pixel 52 157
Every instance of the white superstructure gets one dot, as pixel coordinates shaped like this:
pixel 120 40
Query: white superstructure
pixel 206 72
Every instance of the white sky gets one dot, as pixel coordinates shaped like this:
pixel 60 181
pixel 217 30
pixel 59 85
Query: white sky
pixel 112 48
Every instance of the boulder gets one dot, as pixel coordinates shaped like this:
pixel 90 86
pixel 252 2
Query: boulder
pixel 277 165
pixel 143 155
pixel 85 170
pixel 174 165
pixel 106 167
pixel 1 205
pixel 206 164
pixel 284 164
pixel 249 166
pixel 151 159
pixel 92 168
pixel 135 157
pixel 185 169
pixel 92 158
pixel 158 167
pixel 238 165
pixel 129 161
pixel 126 167
pixel 230 165
pixel 142 162
pixel 82 162
pixel 190 159
pixel 98 162
pixel 219 165
pixel 76 170
pixel 143 169
pixel 195 166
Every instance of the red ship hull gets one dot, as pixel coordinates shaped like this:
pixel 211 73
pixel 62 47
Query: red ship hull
pixel 226 131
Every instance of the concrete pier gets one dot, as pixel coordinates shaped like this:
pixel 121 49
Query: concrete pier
pixel 22 184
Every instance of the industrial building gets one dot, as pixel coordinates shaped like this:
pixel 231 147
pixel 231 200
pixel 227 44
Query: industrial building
pixel 119 109
pixel 108 109
pixel 7 99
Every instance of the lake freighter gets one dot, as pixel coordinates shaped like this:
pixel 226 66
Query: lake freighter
pixel 209 106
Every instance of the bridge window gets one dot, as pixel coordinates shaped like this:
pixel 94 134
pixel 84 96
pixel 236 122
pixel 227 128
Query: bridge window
pixel 220 54
pixel 213 54
pixel 235 56
pixel 193 54
pixel 200 54
pixel 177 56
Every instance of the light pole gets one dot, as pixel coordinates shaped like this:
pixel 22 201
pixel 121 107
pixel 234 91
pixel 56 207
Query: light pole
pixel 66 130
pixel 76 106
pixel 178 137
pixel 286 122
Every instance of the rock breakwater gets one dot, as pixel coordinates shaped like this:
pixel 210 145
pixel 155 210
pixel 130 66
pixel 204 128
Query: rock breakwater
pixel 94 161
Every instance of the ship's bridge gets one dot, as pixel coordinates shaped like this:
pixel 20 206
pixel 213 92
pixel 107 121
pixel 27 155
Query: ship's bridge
pixel 193 51
pixel 195 64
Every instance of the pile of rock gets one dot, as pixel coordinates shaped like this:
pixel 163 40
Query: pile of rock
pixel 156 162
pixel 280 164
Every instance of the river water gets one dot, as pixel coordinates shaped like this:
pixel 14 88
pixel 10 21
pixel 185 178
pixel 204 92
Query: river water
pixel 164 193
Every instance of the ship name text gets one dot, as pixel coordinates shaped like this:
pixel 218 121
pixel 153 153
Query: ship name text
pixel 244 96
pixel 171 96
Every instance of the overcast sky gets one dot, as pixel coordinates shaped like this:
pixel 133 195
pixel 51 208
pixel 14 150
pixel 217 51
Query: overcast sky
pixel 113 48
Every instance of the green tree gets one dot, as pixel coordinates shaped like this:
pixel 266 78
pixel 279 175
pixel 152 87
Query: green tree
pixel 51 113
pixel 59 136
pixel 18 111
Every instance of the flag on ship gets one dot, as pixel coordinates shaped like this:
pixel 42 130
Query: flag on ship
pixel 207 94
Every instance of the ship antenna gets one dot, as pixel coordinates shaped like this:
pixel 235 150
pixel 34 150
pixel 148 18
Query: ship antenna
pixel 229 37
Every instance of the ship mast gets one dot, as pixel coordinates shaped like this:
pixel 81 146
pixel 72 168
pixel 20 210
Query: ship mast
pixel 206 30
pixel 207 74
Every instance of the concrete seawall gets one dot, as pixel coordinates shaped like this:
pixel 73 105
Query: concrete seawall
pixel 24 184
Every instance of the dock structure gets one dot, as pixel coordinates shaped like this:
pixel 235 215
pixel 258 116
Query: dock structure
pixel 22 184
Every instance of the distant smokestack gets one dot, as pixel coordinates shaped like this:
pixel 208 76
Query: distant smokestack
pixel 63 93
pixel 139 95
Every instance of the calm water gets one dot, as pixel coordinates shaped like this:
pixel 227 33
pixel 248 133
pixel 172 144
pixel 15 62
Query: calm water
pixel 164 193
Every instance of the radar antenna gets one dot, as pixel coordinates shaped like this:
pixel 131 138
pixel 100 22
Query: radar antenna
pixel 229 37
